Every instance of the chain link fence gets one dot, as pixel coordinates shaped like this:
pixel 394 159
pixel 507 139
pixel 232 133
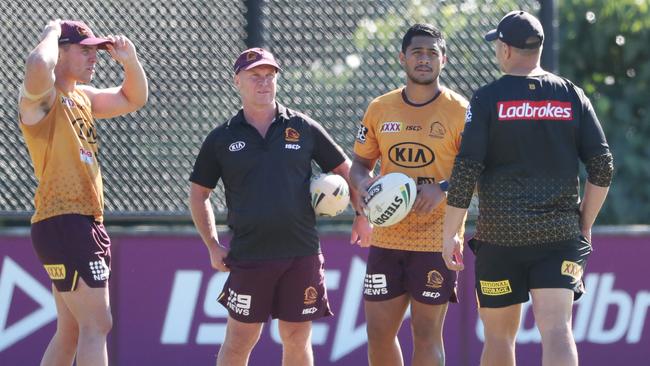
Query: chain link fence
pixel 336 55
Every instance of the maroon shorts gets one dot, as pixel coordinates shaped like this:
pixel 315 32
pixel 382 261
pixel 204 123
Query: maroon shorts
pixel 72 246
pixel 423 275
pixel 290 289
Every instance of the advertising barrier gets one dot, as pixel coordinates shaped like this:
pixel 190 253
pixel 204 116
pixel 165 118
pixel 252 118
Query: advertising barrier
pixel 163 297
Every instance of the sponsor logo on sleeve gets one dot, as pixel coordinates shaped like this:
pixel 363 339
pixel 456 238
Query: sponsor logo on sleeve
pixel 526 110
pixel 468 115
pixel 495 288
pixel 361 134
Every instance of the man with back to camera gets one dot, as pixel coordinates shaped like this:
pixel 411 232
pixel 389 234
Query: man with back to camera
pixel 524 137
pixel 263 155
pixel 415 130
pixel 57 118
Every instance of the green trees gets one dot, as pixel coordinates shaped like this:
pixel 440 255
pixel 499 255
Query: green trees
pixel 604 48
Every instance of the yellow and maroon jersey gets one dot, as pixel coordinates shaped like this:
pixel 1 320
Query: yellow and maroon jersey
pixel 420 141
pixel 63 147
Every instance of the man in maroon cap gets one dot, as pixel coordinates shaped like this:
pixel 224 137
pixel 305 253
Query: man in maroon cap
pixel 57 118
pixel 263 155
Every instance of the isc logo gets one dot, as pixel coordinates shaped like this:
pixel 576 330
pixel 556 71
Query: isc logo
pixel 310 310
pixel 431 294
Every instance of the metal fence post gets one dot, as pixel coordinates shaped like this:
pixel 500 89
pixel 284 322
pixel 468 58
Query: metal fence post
pixel 254 27
pixel 549 19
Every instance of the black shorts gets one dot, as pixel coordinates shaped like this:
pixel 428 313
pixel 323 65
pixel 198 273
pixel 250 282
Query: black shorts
pixel 505 275
pixel 72 246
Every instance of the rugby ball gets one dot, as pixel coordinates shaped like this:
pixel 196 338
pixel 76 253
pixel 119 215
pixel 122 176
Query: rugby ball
pixel 390 198
pixel 330 194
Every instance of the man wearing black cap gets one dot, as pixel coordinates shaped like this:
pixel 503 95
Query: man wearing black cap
pixel 263 155
pixel 524 137
pixel 57 118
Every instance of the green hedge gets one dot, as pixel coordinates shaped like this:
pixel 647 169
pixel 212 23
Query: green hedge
pixel 605 49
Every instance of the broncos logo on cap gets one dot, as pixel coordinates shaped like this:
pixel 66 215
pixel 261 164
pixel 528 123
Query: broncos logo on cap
pixel 252 56
pixel 82 31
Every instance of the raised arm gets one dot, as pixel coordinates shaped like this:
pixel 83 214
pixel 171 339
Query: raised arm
pixel 37 92
pixel 134 91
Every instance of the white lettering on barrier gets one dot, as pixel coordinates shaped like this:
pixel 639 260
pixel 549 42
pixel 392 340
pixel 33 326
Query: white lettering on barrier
pixel 591 313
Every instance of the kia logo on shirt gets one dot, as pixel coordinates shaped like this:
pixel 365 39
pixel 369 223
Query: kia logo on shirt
pixel 411 155
pixel 553 110
pixel 236 146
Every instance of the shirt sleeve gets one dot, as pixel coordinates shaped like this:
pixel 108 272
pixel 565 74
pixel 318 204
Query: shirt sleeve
pixel 207 169
pixel 469 162
pixel 365 143
pixel 327 153
pixel 592 146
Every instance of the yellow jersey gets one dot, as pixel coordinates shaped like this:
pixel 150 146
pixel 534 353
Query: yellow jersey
pixel 63 147
pixel 420 141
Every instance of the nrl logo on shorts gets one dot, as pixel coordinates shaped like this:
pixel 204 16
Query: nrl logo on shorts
pixel 291 135
pixel 434 279
pixel 311 295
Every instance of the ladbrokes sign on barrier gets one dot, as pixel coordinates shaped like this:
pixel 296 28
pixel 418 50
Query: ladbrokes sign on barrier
pixel 165 309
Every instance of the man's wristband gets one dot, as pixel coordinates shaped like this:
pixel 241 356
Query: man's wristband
pixel 444 185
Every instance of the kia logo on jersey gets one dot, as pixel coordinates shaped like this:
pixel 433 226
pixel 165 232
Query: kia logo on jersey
pixel 552 110
pixel 411 155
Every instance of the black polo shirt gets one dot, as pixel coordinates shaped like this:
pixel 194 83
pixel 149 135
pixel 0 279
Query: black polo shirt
pixel 266 182
pixel 523 140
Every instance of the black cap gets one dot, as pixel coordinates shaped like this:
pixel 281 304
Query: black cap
pixel 515 28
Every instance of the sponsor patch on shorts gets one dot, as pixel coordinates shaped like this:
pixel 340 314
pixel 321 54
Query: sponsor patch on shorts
pixel 496 288
pixel 55 271
pixel 572 269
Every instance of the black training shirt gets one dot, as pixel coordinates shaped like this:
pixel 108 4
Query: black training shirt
pixel 523 140
pixel 266 182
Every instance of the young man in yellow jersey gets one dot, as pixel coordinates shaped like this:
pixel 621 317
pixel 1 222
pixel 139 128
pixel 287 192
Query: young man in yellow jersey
pixel 57 119
pixel 415 130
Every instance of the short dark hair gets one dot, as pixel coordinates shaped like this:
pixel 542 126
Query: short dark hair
pixel 428 30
